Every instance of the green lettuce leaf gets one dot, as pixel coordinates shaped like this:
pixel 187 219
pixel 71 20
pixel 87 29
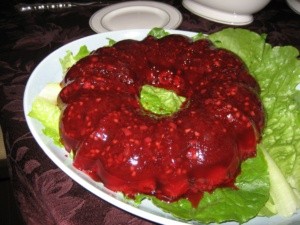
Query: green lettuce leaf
pixel 48 114
pixel 44 107
pixel 226 204
pixel 277 70
pixel 282 134
pixel 198 36
pixel 160 101
pixel 69 59
pixel 249 46
pixel 111 42
pixel 283 199
pixel 158 32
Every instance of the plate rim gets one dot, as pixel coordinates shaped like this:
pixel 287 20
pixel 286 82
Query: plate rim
pixel 175 16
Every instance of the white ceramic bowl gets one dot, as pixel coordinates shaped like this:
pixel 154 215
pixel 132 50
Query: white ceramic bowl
pixel 234 12
pixel 294 5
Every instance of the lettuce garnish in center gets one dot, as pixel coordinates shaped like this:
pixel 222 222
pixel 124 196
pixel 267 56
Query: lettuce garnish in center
pixel 160 101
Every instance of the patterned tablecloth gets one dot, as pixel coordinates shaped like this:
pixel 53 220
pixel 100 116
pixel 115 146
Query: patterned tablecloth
pixel 44 193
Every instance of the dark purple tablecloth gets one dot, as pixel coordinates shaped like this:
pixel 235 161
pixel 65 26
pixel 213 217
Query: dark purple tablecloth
pixel 44 193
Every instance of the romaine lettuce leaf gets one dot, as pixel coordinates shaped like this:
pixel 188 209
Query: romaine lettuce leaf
pixel 158 32
pixel 44 107
pixel 48 114
pixel 160 101
pixel 226 204
pixel 277 70
pixel 281 192
pixel 249 46
pixel 282 135
pixel 70 59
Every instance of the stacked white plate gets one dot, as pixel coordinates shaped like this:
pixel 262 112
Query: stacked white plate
pixel 135 15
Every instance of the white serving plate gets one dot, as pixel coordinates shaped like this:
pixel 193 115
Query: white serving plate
pixel 48 71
